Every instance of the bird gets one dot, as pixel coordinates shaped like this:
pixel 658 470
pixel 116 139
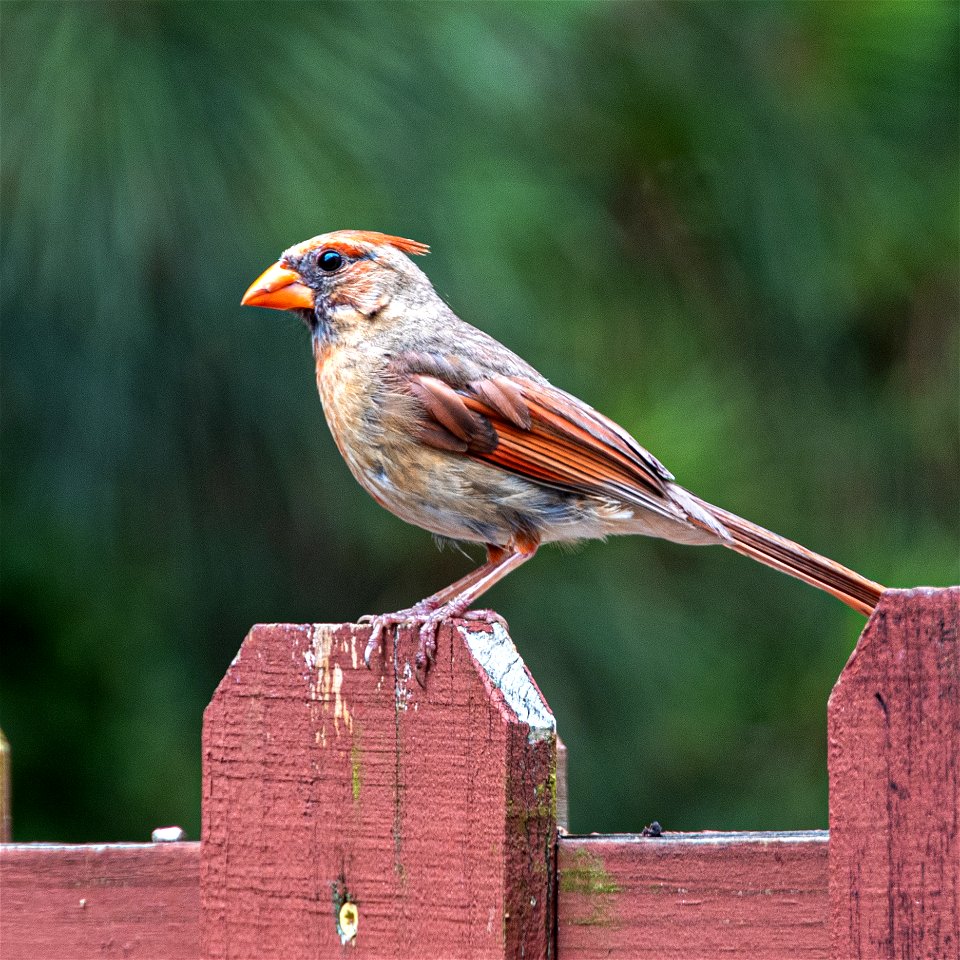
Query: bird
pixel 453 432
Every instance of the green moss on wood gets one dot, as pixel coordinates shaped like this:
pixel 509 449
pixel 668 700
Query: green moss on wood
pixel 587 874
pixel 356 770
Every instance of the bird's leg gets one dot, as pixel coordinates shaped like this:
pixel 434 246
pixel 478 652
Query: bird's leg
pixel 419 611
pixel 494 555
pixel 457 605
pixel 452 601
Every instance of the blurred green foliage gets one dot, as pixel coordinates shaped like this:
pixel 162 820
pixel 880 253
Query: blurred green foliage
pixel 732 227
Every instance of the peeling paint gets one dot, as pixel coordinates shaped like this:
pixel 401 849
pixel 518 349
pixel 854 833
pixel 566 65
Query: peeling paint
pixel 402 691
pixel 326 683
pixel 496 654
pixel 400 685
pixel 340 706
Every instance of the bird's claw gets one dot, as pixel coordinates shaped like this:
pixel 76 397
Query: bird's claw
pixel 380 622
pixel 486 616
pixel 426 649
pixel 373 642
pixel 427 645
pixel 429 621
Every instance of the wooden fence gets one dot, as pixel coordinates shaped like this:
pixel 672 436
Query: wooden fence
pixel 349 812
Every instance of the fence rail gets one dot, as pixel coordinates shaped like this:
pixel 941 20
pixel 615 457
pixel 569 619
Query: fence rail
pixel 352 811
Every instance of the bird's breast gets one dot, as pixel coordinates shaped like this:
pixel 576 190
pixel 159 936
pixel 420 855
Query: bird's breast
pixel 346 392
pixel 370 425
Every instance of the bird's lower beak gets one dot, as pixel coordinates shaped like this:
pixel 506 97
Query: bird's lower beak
pixel 279 288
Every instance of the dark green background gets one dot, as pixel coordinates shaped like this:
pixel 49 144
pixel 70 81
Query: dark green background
pixel 733 228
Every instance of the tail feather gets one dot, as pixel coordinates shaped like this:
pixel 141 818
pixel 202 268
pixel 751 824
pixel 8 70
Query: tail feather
pixel 789 557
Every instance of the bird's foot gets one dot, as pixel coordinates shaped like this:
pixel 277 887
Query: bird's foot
pixel 429 620
pixel 380 622
pixel 430 625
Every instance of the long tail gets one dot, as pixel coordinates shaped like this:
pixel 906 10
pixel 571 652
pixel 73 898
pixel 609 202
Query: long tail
pixel 785 555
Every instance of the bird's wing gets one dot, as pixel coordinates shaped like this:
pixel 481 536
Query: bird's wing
pixel 530 428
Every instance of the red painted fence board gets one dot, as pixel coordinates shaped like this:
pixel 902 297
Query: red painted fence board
pixel 432 808
pixel 684 895
pixel 432 812
pixel 894 759
pixel 139 901
pixel 695 896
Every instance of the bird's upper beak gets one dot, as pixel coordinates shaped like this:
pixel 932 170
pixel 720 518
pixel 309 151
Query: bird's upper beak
pixel 280 288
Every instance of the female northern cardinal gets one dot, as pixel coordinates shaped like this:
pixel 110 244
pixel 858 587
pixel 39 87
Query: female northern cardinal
pixel 453 432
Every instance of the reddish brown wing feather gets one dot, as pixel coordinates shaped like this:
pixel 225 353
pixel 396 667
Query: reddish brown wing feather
pixel 571 417
pixel 446 407
pixel 537 431
pixel 506 398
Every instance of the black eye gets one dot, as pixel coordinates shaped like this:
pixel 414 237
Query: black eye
pixel 329 261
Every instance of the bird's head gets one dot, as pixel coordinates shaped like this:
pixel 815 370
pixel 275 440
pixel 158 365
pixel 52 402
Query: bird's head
pixel 341 279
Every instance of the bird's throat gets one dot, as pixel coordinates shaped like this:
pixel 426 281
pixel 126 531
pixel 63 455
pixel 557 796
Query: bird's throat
pixel 321 329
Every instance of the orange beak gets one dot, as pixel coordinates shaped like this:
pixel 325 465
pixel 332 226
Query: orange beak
pixel 279 288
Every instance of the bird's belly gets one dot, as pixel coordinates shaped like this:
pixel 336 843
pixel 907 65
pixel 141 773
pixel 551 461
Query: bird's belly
pixel 463 499
pixel 433 495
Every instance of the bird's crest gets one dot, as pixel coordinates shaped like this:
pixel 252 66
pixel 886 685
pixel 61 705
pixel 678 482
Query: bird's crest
pixel 356 243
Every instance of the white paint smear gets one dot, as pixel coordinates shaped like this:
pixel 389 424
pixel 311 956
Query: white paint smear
pixel 498 656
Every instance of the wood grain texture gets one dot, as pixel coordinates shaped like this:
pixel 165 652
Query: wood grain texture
pixel 693 896
pixel 432 809
pixel 138 901
pixel 894 759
